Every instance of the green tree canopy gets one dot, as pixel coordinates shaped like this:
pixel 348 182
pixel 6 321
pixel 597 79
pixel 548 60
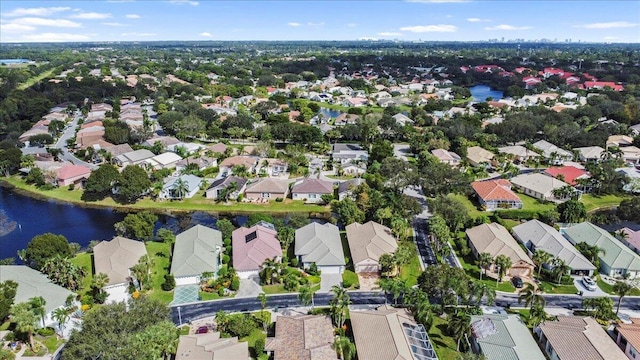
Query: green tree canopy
pixel 45 246
pixel 100 183
pixel 137 225
pixel 133 184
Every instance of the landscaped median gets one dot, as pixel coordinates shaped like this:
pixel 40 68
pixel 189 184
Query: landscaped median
pixel 197 203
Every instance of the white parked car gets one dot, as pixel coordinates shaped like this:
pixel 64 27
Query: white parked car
pixel 589 283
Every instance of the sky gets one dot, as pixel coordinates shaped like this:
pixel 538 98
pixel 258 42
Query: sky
pixel 409 20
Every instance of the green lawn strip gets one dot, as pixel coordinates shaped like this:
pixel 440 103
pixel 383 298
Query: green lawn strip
pixel 51 342
pixel 159 253
pixel 32 80
pixel 84 260
pixel 444 345
pixel 469 266
pixel 5 325
pixel 533 204
pixel 551 288
pixel 197 203
pixel 204 296
pixel 274 289
pixel 411 271
pixel 350 277
pixel 471 208
pixel 184 330
pixel 608 288
pixel 251 339
pixel 593 202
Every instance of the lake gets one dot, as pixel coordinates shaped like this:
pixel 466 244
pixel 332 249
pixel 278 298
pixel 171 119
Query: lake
pixel 482 92
pixel 13 61
pixel 329 112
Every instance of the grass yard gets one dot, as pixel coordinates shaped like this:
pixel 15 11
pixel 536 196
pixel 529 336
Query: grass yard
pixel 251 339
pixel 51 342
pixel 204 296
pixel 350 278
pixel 159 253
pixel 533 204
pixel 274 289
pixel 197 203
pixel 411 271
pixel 593 202
pixel 85 261
pixel 551 288
pixel 471 208
pixel 608 288
pixel 469 266
pixel 32 80
pixel 444 345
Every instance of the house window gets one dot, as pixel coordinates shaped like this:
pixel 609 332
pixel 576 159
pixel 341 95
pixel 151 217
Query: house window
pixel 265 195
pixel 312 196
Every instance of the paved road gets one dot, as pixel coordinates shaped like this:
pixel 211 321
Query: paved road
pixel 62 145
pixel 425 251
pixel 567 301
pixel 188 312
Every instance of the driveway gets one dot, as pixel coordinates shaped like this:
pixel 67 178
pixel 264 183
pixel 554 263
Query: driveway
pixel 249 287
pixel 577 281
pixel 328 280
pixel 401 151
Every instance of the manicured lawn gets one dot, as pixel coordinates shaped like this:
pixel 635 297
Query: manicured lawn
pixel 609 288
pixel 444 345
pixel 84 260
pixel 51 342
pixel 594 202
pixel 274 289
pixel 204 296
pixel 159 253
pixel 471 208
pixel 474 272
pixel 251 339
pixel 533 204
pixel 197 203
pixel 350 277
pixel 411 271
pixel 32 80
pixel 551 288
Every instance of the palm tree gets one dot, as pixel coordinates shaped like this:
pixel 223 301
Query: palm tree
pixel 270 271
pixel 403 255
pixel 61 316
pixel 537 315
pixel 539 258
pixel 621 289
pixel 262 298
pixel 180 188
pixel 560 268
pixel 591 252
pixel 305 296
pixel 25 319
pixel 460 327
pixel 37 306
pixel 139 272
pixel 345 349
pixel 98 282
pixel 531 296
pixel 484 261
pixel 503 263
pixel 339 305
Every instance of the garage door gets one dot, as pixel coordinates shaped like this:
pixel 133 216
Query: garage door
pixel 329 269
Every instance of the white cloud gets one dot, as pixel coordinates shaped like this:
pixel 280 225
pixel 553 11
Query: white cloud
pixel 206 34
pixel 352 25
pixel 608 25
pixel 507 27
pixel 183 2
pixel 33 21
pixel 389 34
pixel 315 24
pixel 294 24
pixel 90 16
pixel 478 20
pixel 114 24
pixel 132 16
pixel 134 34
pixel 16 28
pixel 55 37
pixel 40 11
pixel 429 28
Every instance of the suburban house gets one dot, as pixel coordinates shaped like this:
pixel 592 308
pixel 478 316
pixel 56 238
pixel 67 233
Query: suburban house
pixel 320 244
pixel 617 260
pixel 536 235
pixel 181 187
pixel 306 337
pixel 219 184
pixel 619 141
pixel 135 157
pixel 496 194
pixel 541 187
pixel 495 240
pixel 631 154
pixel 345 189
pixel 252 246
pixel 218 148
pixel 167 160
pixel 568 174
pixel 499 337
pixel 402 119
pixel 390 334
pixel 268 188
pixel 345 153
pixel 631 239
pixel 272 167
pixel 478 156
pixel 519 153
pixel 446 156
pixel 352 169
pixel 311 190
pixel 72 175
pixel 210 346
pixel 553 154
pixel 633 177
pixel 589 153
pixel 114 258
pixel 202 163
pixel 576 338
pixel 32 283
pixel 249 162
pixel 367 243
pixel 197 250
pixel 627 337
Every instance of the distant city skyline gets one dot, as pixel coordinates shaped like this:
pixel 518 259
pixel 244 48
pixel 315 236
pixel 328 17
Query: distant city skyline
pixel 411 20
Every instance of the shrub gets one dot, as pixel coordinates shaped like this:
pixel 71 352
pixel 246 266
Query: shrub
pixel 169 283
pixel 47 331
pixel 221 291
pixel 240 325
pixel 235 284
pixel 223 271
pixel 279 199
pixel 47 187
pixel 225 259
pixel 294 262
pixel 240 198
pixel 259 346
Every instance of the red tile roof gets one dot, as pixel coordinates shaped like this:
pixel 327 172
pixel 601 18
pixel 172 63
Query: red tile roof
pixel 570 173
pixel 602 85
pixel 499 189
pixel 71 171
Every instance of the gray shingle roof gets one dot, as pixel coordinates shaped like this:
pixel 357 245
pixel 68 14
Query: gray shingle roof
pixel 32 283
pixel 116 257
pixel 320 244
pixel 510 341
pixel 195 251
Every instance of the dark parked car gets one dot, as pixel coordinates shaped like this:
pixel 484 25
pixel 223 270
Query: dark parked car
pixel 202 330
pixel 517 281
